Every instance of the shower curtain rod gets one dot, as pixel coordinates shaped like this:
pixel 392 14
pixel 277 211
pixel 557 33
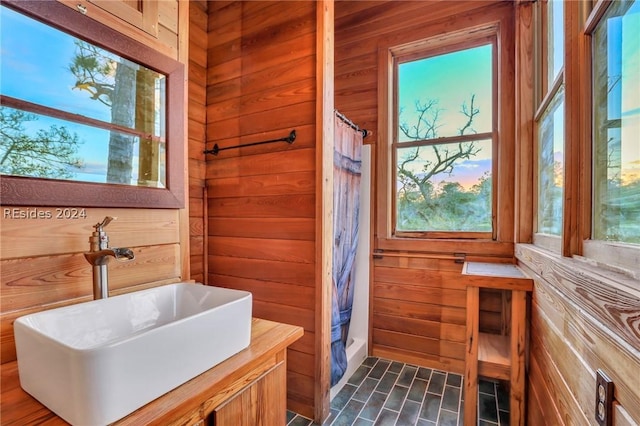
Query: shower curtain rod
pixel 351 124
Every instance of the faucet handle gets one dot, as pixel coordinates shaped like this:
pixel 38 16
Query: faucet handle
pixel 107 220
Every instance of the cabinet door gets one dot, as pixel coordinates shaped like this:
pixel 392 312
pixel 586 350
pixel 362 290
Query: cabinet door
pixel 142 14
pixel 262 403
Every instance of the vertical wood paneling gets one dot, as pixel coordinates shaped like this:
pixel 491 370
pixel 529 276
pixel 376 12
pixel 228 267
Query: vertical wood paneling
pixel 524 121
pixel 325 187
pixel 261 201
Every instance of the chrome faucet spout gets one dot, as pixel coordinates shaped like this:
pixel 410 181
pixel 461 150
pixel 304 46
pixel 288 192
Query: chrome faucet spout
pixel 99 255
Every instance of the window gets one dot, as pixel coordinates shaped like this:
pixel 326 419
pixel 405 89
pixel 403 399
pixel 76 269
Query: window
pixel 80 112
pixel 83 123
pixel 616 124
pixel 444 141
pixel 551 166
pixel 445 166
pixel 550 123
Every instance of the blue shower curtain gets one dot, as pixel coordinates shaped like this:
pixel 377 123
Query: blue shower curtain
pixel 346 206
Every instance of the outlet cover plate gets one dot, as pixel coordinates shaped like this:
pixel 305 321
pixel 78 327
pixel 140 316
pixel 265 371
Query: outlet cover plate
pixel 604 398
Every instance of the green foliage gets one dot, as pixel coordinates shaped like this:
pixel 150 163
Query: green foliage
pixel 620 219
pixel 423 205
pixel 94 72
pixel 448 207
pixel 50 153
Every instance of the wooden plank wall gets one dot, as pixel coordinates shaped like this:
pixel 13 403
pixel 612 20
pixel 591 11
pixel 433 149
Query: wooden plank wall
pixel 197 122
pixel 261 200
pixel 582 319
pixel 42 260
pixel 417 305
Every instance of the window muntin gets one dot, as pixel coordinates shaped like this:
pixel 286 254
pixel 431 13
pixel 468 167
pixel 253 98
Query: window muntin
pixel 551 166
pixel 443 157
pixel 105 112
pixel 616 124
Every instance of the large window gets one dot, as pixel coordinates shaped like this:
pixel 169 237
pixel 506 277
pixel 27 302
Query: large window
pixel 616 124
pixel 89 117
pixel 444 141
pixel 73 110
pixel 587 127
pixel 550 121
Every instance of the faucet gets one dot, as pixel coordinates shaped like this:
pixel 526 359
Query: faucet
pixel 98 257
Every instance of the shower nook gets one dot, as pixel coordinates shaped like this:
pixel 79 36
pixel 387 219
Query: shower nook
pixel 350 273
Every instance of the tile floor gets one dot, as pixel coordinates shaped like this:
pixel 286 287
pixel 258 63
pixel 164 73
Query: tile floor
pixel 384 392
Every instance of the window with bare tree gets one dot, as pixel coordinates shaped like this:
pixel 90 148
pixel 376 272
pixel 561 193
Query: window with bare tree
pixel 444 142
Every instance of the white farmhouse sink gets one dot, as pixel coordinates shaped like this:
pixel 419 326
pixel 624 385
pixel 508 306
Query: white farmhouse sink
pixel 93 363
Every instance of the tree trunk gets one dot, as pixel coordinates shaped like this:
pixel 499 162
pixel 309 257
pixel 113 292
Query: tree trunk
pixel 120 165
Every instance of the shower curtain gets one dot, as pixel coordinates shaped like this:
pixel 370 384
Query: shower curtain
pixel 346 206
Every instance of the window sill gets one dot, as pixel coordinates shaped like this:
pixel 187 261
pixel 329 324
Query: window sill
pixel 469 247
pixel 548 242
pixel 578 276
pixel 616 257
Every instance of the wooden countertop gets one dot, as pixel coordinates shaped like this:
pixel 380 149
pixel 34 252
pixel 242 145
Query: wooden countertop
pixel 268 340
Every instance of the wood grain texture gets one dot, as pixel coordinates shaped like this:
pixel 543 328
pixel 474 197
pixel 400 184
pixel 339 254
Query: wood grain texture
pixel 262 404
pixel 426 298
pixel 165 41
pixel 524 134
pixel 583 318
pixel 262 200
pixel 49 237
pixel 471 356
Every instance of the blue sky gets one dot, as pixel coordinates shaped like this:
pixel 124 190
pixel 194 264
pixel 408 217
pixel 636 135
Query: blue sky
pixel 36 71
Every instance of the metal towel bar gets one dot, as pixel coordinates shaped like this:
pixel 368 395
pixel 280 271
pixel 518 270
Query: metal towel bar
pixel 289 139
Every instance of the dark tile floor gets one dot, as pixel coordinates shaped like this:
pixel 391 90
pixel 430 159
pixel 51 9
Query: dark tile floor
pixel 384 392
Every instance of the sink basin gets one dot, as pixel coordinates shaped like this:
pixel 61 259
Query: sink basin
pixel 95 362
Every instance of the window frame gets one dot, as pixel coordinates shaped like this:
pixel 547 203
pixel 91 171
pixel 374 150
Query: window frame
pixel 546 95
pixel 618 256
pixel 580 21
pixel 29 191
pixel 501 26
pixel 419 52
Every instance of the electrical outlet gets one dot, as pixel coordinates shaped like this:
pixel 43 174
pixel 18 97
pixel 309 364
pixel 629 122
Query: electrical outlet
pixel 604 398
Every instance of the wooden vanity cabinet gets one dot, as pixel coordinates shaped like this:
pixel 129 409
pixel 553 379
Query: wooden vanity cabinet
pixel 262 403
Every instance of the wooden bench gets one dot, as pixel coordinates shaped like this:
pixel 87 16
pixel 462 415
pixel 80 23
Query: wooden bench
pixel 491 355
